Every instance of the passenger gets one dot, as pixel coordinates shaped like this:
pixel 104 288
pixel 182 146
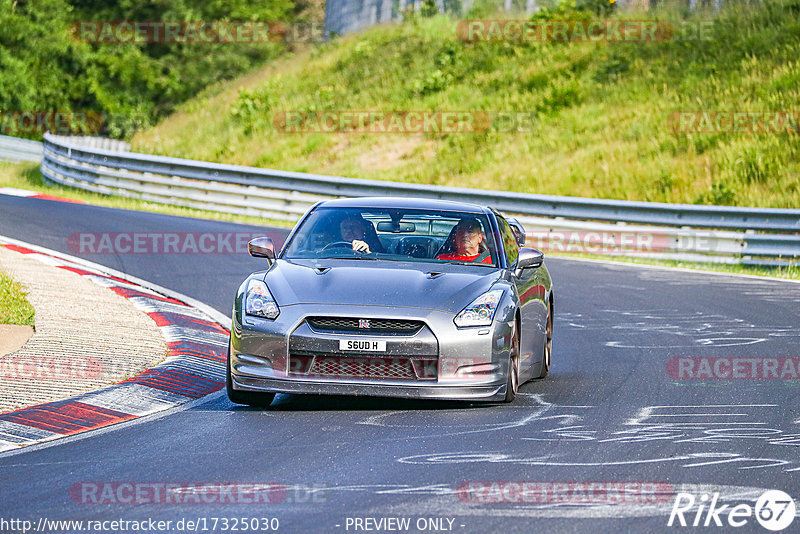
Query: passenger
pixel 465 243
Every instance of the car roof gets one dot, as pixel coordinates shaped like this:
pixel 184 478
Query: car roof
pixel 402 202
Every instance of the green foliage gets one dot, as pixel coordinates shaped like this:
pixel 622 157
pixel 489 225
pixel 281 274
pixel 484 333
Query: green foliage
pixel 720 194
pixel 611 68
pixel 44 65
pixel 482 9
pixel 429 8
pixel 567 10
pixel 601 8
pixel 251 110
pixel 561 93
pixel 432 82
pixel 35 55
pixel 448 67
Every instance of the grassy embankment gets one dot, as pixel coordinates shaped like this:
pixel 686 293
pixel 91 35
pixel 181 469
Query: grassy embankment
pixel 14 306
pixel 602 110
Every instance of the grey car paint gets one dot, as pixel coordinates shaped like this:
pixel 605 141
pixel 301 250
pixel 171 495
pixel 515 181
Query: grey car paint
pixel 472 362
pixel 387 284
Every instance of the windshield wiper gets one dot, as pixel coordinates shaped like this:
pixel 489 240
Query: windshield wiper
pixel 347 258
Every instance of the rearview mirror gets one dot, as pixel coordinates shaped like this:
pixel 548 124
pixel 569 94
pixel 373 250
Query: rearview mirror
pixel 262 247
pixel 396 227
pixel 529 258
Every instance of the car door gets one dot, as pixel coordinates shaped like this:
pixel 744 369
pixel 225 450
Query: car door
pixel 531 291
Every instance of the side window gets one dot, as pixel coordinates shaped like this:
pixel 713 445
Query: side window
pixel 510 245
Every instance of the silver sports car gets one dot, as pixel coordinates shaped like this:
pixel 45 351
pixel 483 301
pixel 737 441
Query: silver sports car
pixel 393 297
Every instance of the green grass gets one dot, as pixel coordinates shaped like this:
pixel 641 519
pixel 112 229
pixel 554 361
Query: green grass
pixel 602 110
pixel 28 176
pixel 14 306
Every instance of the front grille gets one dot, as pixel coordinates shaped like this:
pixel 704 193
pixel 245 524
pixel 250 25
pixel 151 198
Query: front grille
pixel 362 367
pixel 356 325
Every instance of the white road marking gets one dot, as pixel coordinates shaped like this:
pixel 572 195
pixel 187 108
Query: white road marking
pixel 692 459
pixel 648 411
pixel 540 409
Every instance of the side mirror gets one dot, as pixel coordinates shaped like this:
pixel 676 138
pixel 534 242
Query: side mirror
pixel 529 258
pixel 518 230
pixel 262 247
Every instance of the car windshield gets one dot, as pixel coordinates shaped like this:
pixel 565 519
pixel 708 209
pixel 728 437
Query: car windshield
pixel 394 234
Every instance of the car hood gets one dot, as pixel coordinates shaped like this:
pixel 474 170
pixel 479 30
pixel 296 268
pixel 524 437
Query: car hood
pixel 434 286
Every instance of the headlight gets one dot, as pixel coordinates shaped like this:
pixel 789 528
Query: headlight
pixel 258 301
pixel 480 311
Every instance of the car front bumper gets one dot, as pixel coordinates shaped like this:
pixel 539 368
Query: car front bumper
pixel 341 387
pixel 471 364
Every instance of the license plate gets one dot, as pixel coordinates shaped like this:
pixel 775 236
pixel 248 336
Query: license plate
pixel 360 345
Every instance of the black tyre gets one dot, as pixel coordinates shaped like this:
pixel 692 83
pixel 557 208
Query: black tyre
pixel 512 384
pixel 251 398
pixel 548 344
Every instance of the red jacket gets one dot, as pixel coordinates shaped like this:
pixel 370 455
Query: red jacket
pixel 456 257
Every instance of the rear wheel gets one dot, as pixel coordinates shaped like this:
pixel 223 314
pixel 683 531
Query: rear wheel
pixel 251 398
pixel 512 383
pixel 548 343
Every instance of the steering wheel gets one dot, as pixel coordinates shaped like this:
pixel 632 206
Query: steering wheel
pixel 338 244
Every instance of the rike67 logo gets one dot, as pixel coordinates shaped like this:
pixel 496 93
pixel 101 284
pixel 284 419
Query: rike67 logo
pixel 774 510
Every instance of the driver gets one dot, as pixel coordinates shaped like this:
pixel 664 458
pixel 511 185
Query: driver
pixel 355 230
pixel 466 240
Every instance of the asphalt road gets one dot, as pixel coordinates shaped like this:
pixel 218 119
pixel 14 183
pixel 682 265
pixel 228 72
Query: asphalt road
pixel 613 410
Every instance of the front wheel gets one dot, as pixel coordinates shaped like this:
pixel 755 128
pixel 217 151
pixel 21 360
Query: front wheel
pixel 512 383
pixel 251 398
pixel 548 343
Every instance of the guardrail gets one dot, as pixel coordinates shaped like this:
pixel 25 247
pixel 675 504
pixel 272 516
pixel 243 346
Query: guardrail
pixel 16 149
pixel 688 232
